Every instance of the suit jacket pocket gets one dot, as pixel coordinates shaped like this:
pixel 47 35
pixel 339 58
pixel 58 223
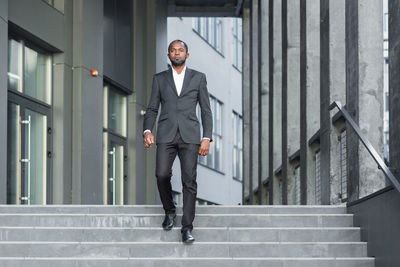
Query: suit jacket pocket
pixel 193 119
pixel 163 117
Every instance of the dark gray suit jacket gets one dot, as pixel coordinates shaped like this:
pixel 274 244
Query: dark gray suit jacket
pixel 179 111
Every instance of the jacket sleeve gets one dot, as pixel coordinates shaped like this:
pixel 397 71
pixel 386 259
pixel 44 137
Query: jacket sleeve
pixel 206 115
pixel 152 109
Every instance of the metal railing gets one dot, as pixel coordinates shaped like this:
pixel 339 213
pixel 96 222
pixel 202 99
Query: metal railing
pixel 367 144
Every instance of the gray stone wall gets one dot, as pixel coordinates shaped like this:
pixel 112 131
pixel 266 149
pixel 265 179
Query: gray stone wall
pixel 277 95
pixel 264 94
pixel 324 51
pixel 247 182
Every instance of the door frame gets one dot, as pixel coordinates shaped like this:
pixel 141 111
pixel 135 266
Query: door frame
pixel 120 140
pixel 27 102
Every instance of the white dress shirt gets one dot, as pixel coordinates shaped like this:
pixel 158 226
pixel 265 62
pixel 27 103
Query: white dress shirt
pixel 178 80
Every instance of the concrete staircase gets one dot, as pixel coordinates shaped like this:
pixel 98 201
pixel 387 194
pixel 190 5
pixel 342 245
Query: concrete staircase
pixel 105 236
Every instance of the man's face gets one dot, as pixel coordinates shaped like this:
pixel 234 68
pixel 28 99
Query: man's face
pixel 177 54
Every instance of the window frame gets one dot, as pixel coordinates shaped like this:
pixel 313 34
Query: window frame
pixel 239 145
pixel 26 43
pixel 210 29
pixel 217 137
pixel 237 44
pixel 26 101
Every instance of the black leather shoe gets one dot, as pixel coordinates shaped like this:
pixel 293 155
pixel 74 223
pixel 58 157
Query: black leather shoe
pixel 169 221
pixel 187 236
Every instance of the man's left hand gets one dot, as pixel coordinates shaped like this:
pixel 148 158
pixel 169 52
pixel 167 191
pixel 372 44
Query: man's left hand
pixel 204 147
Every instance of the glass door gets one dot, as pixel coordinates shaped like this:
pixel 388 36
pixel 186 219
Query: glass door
pixel 116 171
pixel 14 166
pixel 114 145
pixel 27 152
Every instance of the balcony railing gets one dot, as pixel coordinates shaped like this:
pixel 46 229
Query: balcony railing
pixel 378 159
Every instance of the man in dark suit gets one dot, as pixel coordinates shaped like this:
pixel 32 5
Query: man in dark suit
pixel 178 89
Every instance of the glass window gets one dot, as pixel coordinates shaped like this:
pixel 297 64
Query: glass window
pixel 214 157
pixel 237 163
pixel 115 110
pixel 211 31
pixel 57 4
pixel 37 79
pixel 237 43
pixel 196 24
pixel 14 65
pixel 29 71
pixel 218 35
pixel 203 27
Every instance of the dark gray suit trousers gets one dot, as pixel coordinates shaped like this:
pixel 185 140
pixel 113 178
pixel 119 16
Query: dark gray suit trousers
pixel 188 154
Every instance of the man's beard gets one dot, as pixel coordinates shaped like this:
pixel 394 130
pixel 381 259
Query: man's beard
pixel 178 63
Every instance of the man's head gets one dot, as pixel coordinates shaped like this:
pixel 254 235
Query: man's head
pixel 178 52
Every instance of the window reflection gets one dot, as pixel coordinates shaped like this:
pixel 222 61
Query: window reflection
pixel 115 110
pixel 14 65
pixel 29 71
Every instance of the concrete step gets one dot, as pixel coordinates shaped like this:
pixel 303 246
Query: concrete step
pixel 157 209
pixel 202 234
pixel 154 220
pixel 193 262
pixel 105 236
pixel 178 249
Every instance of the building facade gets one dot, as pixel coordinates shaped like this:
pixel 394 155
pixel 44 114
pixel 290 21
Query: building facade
pixel 75 81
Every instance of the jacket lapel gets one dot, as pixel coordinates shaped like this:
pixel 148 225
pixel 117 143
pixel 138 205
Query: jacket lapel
pixel 186 80
pixel 170 80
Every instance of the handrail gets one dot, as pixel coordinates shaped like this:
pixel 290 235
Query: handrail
pixel 367 144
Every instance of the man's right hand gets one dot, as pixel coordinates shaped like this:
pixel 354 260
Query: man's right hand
pixel 148 139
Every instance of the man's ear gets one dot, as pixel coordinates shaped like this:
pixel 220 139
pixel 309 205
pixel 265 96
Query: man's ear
pixel 187 55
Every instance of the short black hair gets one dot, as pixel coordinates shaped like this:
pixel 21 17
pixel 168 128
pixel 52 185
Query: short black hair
pixel 169 46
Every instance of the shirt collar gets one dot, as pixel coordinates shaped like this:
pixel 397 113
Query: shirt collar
pixel 176 73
